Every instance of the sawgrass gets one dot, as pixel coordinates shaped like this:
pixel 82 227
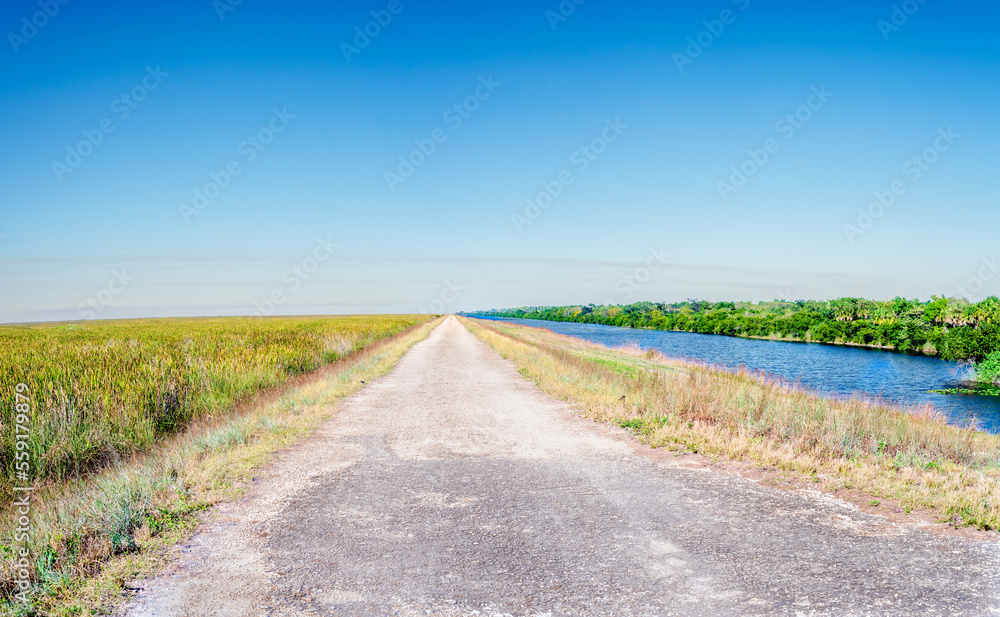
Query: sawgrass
pixel 100 391
pixel 93 532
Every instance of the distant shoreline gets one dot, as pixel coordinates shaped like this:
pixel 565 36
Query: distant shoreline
pixel 949 328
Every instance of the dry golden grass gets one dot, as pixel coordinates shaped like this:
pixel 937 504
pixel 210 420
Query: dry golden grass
pixel 91 534
pixel 907 455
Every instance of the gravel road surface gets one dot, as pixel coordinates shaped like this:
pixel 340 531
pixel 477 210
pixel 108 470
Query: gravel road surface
pixel 452 486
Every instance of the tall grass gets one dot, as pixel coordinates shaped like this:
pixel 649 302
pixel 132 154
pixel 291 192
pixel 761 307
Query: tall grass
pixel 103 390
pixel 911 455
pixel 91 534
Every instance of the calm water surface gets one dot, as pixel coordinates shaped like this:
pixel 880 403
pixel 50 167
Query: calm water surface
pixel 829 369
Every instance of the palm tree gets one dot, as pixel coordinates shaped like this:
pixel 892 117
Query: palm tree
pixel 987 311
pixel 957 313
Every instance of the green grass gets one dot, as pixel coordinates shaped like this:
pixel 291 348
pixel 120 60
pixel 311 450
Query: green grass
pixel 93 533
pixel 102 391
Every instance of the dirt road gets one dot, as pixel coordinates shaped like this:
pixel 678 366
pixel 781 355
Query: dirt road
pixel 453 487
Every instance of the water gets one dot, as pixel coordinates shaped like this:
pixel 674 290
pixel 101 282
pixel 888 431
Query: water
pixel 829 369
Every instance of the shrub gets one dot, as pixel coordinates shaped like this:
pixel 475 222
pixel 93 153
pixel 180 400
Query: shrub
pixel 988 371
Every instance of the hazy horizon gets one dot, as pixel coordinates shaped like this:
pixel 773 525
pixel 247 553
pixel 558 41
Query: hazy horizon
pixel 231 158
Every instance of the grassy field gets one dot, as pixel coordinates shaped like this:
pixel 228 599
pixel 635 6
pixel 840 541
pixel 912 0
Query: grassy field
pixel 92 533
pixel 100 391
pixel 911 456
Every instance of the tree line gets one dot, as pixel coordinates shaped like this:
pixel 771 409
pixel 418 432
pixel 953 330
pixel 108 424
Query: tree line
pixel 952 328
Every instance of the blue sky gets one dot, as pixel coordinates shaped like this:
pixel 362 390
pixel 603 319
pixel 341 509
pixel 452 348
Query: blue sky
pixel 632 128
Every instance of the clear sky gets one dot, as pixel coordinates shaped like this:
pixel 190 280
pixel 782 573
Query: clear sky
pixel 626 124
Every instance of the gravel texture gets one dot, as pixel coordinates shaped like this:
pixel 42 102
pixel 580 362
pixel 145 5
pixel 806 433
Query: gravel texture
pixel 452 486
